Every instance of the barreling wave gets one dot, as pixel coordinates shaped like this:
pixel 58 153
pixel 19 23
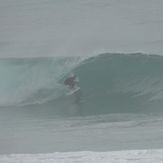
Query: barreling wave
pixel 33 80
pixel 110 83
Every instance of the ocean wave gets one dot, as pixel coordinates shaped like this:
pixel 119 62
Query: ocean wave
pixel 122 83
pixel 110 83
pixel 33 80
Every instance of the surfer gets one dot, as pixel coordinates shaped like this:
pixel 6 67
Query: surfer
pixel 71 81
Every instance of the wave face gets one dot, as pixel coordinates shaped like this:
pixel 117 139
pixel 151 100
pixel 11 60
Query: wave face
pixel 110 83
pixel 119 83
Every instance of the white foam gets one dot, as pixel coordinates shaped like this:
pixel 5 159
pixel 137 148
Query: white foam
pixel 132 156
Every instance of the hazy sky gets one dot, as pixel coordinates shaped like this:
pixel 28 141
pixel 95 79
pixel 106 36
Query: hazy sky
pixel 80 27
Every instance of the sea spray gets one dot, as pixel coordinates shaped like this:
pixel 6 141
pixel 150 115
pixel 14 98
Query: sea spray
pixel 33 80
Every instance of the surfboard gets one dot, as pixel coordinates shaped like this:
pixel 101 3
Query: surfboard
pixel 73 91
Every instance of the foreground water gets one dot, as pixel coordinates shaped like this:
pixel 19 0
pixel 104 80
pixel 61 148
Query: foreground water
pixel 29 132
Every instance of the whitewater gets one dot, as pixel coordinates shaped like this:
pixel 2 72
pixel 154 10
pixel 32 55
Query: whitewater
pixel 115 49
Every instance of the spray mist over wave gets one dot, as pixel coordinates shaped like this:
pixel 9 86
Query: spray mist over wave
pixel 33 80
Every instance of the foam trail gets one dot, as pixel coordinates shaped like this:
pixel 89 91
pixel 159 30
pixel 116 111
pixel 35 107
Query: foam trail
pixel 132 156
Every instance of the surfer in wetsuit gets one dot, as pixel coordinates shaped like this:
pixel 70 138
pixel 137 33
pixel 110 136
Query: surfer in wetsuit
pixel 71 81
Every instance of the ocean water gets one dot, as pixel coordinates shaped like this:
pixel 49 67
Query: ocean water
pixel 119 105
pixel 115 47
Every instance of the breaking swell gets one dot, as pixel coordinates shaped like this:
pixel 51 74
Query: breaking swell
pixel 110 83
